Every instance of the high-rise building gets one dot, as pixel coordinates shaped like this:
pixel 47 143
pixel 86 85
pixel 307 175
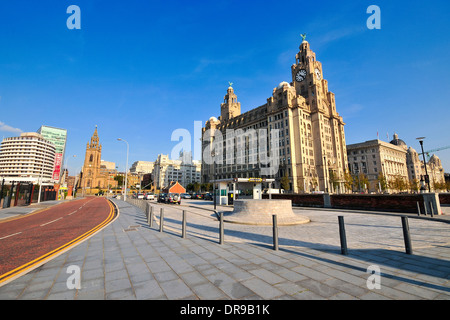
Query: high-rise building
pixel 58 137
pixel 27 158
pixel 167 170
pixel 310 147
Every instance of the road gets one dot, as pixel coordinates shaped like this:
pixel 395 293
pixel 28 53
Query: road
pixel 28 241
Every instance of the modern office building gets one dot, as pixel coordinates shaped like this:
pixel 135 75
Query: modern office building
pixel 310 146
pixel 167 171
pixel 27 158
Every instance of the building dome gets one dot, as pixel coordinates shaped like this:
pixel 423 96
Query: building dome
pixel 213 119
pixel 398 142
pixel 282 84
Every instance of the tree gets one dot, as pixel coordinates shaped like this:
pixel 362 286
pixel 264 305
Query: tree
pixel 285 182
pixel 382 182
pixel 414 185
pixel 119 180
pixel 196 186
pixel 348 181
pixel 334 179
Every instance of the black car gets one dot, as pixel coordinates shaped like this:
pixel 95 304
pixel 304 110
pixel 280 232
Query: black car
pixel 207 196
pixel 162 197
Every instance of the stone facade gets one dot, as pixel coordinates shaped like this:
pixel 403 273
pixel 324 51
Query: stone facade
pixel 392 160
pixel 311 143
pixel 93 176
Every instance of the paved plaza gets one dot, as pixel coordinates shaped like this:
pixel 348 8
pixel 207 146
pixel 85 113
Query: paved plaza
pixel 131 261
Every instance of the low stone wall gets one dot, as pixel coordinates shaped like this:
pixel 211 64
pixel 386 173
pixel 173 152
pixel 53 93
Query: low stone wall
pixel 304 200
pixel 379 202
pixel 444 198
pixel 406 203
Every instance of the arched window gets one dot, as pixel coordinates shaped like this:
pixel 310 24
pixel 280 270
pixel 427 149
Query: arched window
pixel 91 158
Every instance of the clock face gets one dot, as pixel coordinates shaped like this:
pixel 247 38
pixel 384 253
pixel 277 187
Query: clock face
pixel 318 75
pixel 301 75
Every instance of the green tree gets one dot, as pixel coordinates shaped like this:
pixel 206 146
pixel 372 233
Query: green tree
pixel 348 181
pixel 285 182
pixel 382 182
pixel 414 185
pixel 119 180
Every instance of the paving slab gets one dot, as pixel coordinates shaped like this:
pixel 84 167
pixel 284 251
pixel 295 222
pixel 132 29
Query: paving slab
pixel 128 260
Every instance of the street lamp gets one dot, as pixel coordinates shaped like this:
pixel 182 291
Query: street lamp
pixel 126 169
pixel 427 178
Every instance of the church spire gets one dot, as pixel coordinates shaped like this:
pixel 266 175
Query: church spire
pixel 95 140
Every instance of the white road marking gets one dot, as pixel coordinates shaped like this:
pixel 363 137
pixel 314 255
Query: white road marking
pixel 50 222
pixel 11 235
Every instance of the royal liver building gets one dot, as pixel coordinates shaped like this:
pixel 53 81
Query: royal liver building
pixel 298 133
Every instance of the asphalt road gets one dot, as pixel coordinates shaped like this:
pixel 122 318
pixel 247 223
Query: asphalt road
pixel 28 241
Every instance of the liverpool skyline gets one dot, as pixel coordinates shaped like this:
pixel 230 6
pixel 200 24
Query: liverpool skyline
pixel 139 76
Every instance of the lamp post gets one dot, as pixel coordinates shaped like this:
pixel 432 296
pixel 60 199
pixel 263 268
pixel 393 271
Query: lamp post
pixel 126 169
pixel 427 178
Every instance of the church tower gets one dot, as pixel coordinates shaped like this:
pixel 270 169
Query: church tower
pixel 92 160
pixel 230 108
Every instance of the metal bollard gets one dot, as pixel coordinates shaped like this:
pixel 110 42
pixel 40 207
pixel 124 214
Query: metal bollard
pixel 183 232
pixel 406 235
pixel 418 208
pixel 221 229
pixel 275 231
pixel 161 220
pixel 150 217
pixel 342 235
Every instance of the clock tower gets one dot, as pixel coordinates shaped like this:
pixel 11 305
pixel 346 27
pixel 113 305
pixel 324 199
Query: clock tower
pixel 327 127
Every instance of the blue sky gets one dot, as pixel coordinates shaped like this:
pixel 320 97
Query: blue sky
pixel 141 69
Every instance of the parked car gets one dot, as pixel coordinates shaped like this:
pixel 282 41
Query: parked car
pixel 173 198
pixel 207 196
pixel 149 196
pixel 197 196
pixel 162 197
pixel 185 195
pixel 140 196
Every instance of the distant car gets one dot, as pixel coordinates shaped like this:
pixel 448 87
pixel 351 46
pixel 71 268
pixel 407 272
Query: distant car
pixel 173 198
pixel 162 197
pixel 140 196
pixel 149 196
pixel 197 196
pixel 207 196
pixel 185 195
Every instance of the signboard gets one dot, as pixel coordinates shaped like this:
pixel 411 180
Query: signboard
pixel 58 137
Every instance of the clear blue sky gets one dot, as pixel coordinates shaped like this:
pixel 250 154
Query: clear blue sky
pixel 141 69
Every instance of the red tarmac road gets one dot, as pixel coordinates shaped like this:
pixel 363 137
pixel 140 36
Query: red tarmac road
pixel 28 241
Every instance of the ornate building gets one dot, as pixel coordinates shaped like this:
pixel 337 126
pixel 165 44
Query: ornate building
pixel 93 176
pixel 392 160
pixel 310 146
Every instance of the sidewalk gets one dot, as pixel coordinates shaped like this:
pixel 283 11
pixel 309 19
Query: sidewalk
pixel 129 260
